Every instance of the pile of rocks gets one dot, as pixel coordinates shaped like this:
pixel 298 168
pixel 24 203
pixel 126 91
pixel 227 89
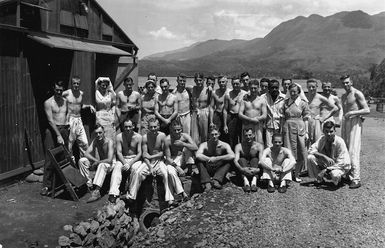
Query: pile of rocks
pixel 112 227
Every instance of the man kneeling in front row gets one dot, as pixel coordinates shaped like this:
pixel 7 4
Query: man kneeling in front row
pixel 328 157
pixel 248 153
pixel 277 163
pixel 213 159
pixel 178 150
pixel 128 153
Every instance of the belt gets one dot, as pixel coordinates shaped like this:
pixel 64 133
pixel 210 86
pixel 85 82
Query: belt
pixel 184 114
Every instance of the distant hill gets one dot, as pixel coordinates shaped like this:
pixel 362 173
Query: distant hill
pixel 343 42
pixel 196 50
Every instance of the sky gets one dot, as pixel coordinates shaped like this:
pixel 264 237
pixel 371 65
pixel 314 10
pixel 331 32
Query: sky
pixel 164 25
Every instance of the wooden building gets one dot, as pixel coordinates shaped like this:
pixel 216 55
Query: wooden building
pixel 43 41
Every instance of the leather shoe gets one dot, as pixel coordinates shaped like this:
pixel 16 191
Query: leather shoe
pixel 254 188
pixel 246 188
pixel 112 198
pixel 44 191
pixel 95 195
pixel 270 189
pixel 355 185
pixel 217 185
pixel 282 189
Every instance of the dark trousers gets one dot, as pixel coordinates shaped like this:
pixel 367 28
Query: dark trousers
pixel 217 170
pixel 253 163
pixel 163 127
pixel 235 129
pixel 50 141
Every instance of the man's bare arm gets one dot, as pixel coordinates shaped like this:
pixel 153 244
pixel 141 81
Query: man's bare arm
pixel 331 106
pixel 237 156
pixel 119 141
pixel 156 110
pixel 138 150
pixel 48 112
pixel 175 113
pixel 230 154
pixel 145 152
pixel 89 151
pixel 167 152
pixel 265 156
pixel 110 155
pixel 200 153
pixel 190 144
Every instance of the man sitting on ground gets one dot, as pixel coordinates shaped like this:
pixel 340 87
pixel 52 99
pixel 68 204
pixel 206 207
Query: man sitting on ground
pixel 153 156
pixel 178 150
pixel 248 153
pixel 328 157
pixel 128 153
pixel 102 164
pixel 277 163
pixel 213 158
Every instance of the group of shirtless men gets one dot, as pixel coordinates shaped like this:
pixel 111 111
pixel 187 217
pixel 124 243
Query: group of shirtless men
pixel 207 131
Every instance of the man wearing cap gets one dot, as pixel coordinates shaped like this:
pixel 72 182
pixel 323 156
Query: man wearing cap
pixel 354 107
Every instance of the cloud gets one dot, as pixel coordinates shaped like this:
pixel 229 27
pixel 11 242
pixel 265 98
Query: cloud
pixel 163 33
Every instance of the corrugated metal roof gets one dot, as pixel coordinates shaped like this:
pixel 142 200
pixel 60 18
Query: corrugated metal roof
pixel 71 44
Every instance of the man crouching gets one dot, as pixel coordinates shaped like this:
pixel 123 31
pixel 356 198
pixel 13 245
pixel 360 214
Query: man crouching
pixel 152 147
pixel 277 163
pixel 214 157
pixel 328 157
pixel 248 153
pixel 128 153
pixel 178 150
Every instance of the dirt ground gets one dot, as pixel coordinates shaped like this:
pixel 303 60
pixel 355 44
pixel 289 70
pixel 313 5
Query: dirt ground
pixel 306 216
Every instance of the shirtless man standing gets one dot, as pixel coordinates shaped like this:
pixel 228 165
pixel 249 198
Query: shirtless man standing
pixel 166 107
pixel 354 106
pixel 128 154
pixel 232 123
pixel 178 150
pixel 316 102
pixel 327 92
pixel 153 156
pixel 57 131
pixel 252 111
pixel 102 163
pixel 217 105
pixel 201 98
pixel 213 159
pixel 277 163
pixel 248 153
pixel 129 102
pixel 74 97
pixel 183 99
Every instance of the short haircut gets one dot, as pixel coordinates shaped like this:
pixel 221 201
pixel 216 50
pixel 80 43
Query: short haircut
pixel 265 80
pixel 213 128
pixel 285 79
pixel 276 135
pixel 211 77
pixel 312 80
pixel 181 76
pixel 248 129
pixel 129 120
pixel 151 74
pixel 59 83
pixel 164 80
pixel 153 120
pixel 245 74
pixel 235 78
pixel 176 123
pixel 329 124
pixel 198 75
pixel 273 81
pixel 128 80
pixel 221 76
pixel 254 82
pixel 291 86
pixel 327 82
pixel 98 125
pixel 150 82
pixel 343 77
pixel 75 77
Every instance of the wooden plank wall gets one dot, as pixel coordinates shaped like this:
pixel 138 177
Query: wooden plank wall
pixel 17 107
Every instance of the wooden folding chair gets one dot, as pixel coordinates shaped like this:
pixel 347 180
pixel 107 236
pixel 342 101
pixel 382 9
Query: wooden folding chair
pixel 66 176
